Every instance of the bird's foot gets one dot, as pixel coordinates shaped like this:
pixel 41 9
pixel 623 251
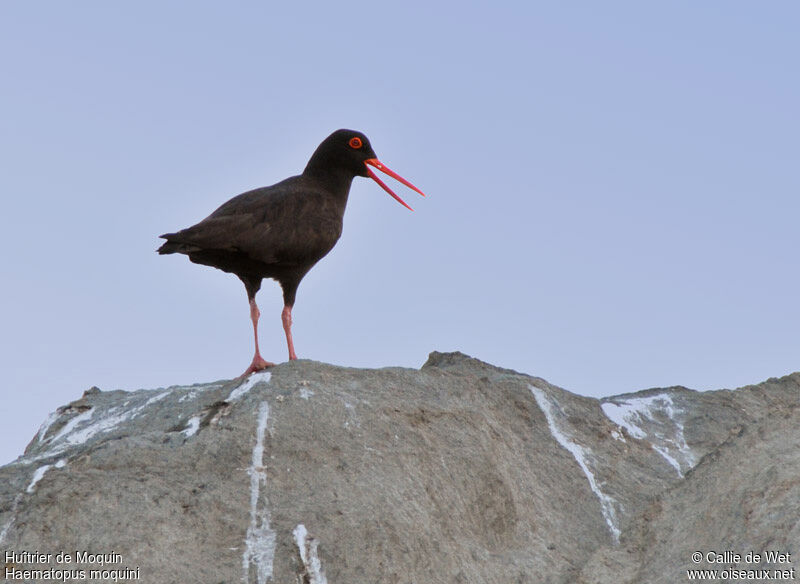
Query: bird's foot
pixel 258 364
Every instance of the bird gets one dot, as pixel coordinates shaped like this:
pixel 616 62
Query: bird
pixel 282 231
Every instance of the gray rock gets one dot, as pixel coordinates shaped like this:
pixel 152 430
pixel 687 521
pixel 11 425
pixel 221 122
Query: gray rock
pixel 458 472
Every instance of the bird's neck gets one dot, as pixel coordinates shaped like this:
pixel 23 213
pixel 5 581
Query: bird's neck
pixel 336 180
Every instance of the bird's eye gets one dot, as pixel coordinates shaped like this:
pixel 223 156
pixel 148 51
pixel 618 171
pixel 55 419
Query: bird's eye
pixel 355 142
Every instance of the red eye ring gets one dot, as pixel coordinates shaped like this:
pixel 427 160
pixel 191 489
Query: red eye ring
pixel 355 142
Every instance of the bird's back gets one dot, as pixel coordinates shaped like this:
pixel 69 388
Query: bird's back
pixel 265 232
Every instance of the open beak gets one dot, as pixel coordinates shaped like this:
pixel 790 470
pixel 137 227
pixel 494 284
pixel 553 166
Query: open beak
pixel 383 168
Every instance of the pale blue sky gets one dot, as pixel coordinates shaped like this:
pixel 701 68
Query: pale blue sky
pixel 613 189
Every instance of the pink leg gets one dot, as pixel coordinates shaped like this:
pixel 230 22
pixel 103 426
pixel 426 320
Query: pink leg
pixel 258 362
pixel 286 317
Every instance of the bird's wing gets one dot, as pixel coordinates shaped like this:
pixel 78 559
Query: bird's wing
pixel 260 225
pixel 225 233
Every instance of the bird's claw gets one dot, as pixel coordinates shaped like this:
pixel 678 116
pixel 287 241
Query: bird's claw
pixel 258 364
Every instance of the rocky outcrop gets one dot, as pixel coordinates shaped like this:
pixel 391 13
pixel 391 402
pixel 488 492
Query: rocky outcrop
pixel 457 472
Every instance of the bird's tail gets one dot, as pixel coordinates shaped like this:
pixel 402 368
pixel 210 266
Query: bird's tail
pixel 171 246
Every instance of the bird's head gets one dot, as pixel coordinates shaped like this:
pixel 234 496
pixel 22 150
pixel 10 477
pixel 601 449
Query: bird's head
pixel 351 151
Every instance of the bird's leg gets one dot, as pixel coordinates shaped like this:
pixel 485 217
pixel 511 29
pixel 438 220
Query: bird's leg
pixel 258 362
pixel 286 317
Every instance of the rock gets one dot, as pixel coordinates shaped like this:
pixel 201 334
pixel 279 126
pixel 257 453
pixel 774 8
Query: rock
pixel 458 472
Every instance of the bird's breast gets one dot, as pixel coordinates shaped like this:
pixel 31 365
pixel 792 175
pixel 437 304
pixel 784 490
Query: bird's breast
pixel 308 232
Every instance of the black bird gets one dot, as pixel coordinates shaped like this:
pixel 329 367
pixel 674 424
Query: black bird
pixel 281 231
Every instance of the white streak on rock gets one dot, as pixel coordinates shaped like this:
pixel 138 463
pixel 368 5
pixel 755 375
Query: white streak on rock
pixel 309 556
pixel 669 458
pixel 192 426
pixel 248 384
pixel 260 539
pixel 582 456
pixel 46 425
pixel 156 398
pixel 72 424
pixel 305 393
pixel 191 395
pixel 96 420
pixel 37 476
pixel 105 424
pixel 10 522
pixel 77 431
pixel 630 413
pixel 637 414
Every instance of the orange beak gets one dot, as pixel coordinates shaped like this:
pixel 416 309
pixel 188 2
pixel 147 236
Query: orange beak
pixel 383 168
